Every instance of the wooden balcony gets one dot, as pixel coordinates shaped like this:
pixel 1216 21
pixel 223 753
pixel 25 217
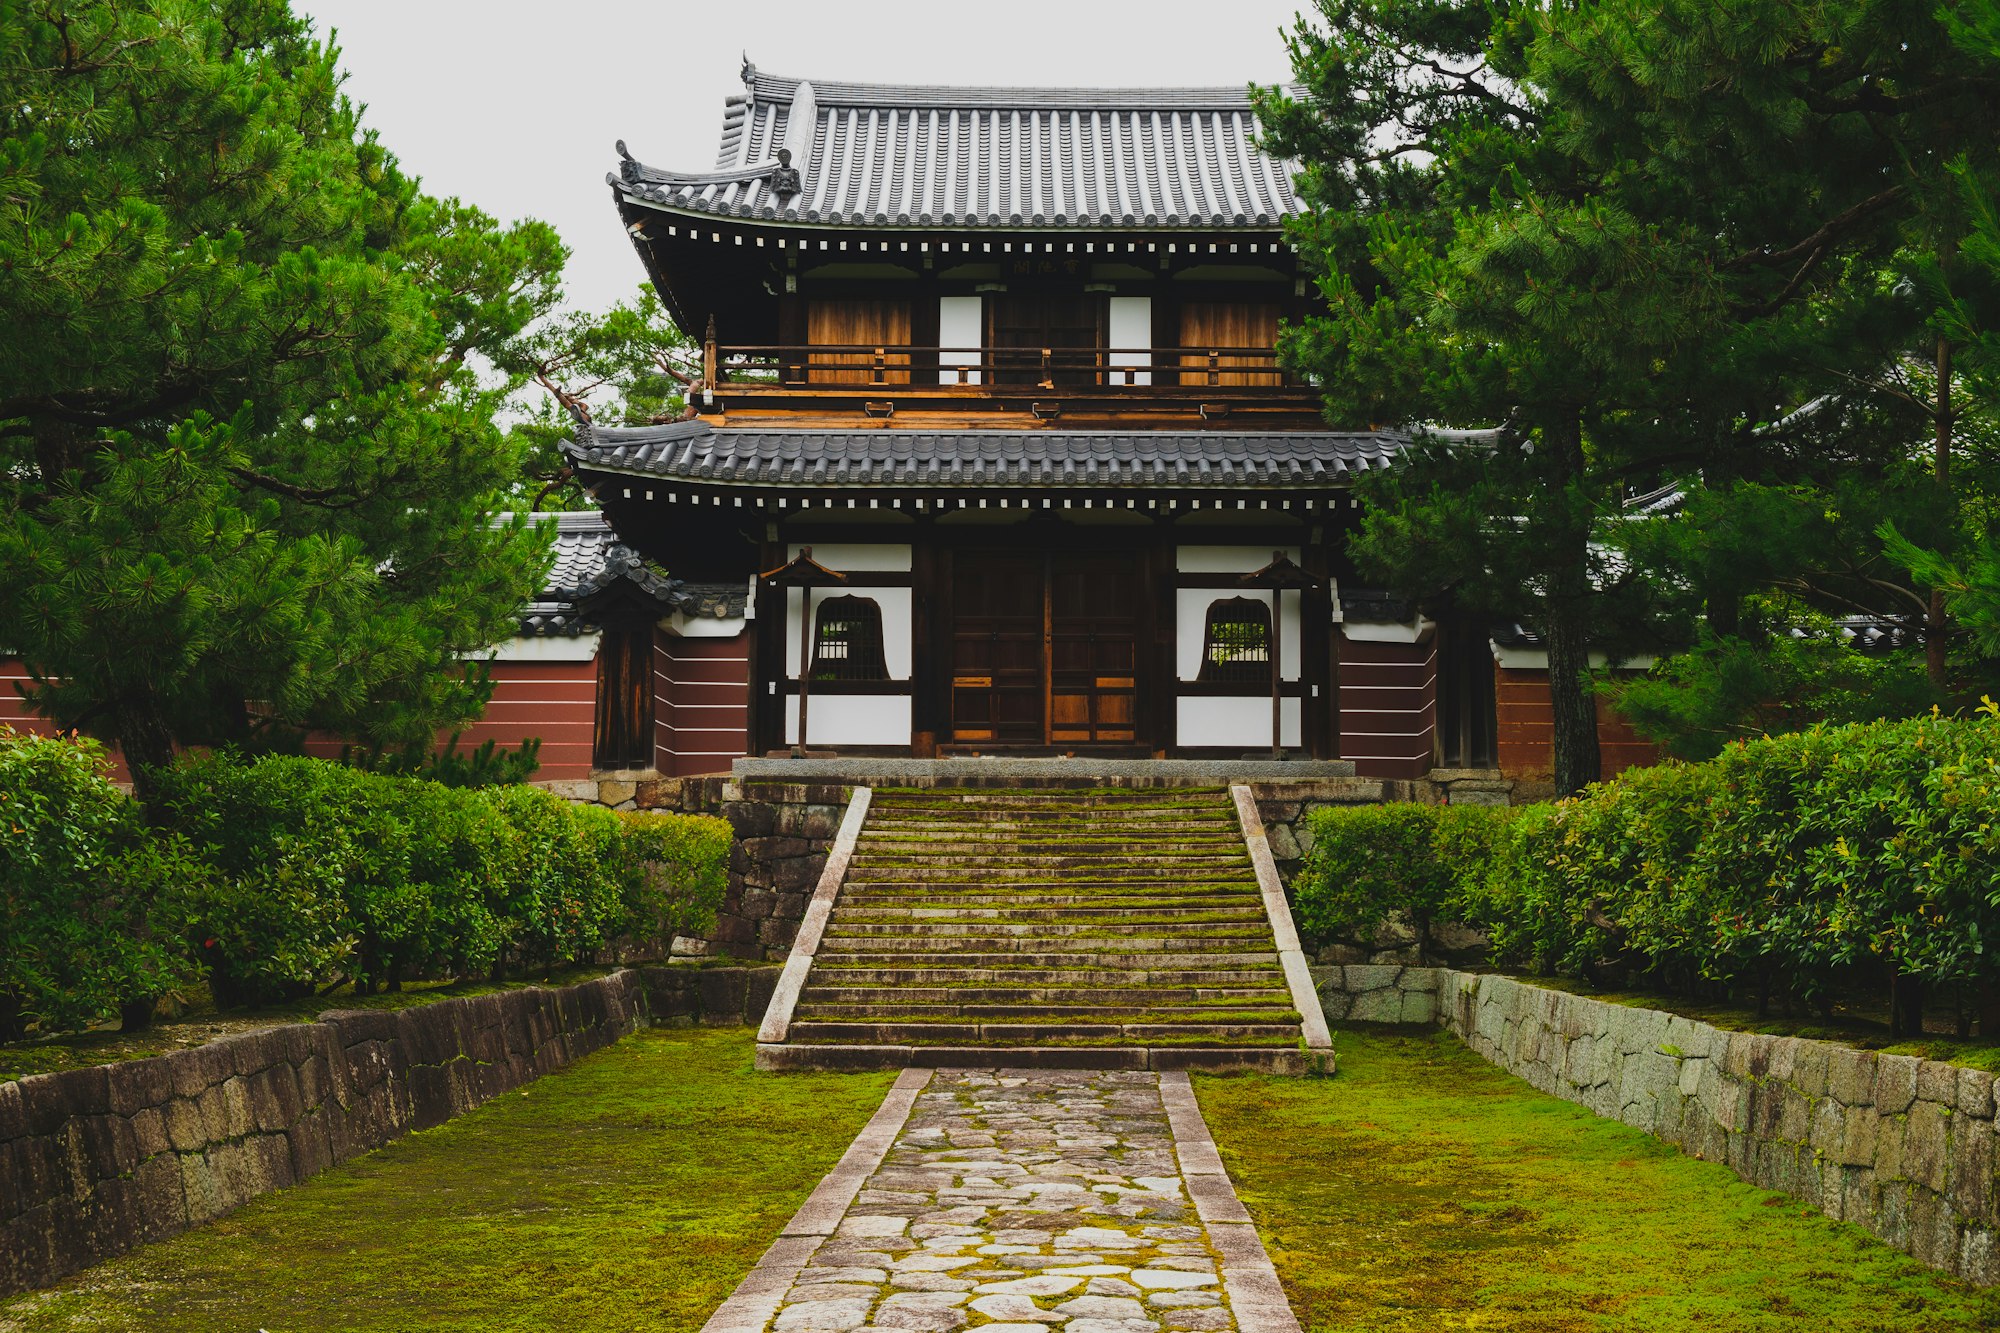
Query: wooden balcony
pixel 948 388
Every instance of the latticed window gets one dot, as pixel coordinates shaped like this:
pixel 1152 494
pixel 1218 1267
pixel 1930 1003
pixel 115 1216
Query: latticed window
pixel 1236 646
pixel 848 645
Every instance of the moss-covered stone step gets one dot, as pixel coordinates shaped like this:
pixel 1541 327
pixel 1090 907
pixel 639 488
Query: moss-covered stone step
pixel 1015 918
pixel 1101 927
pixel 1052 996
pixel 1000 1013
pixel 1053 951
pixel 783 1056
pixel 1175 974
pixel 1037 1034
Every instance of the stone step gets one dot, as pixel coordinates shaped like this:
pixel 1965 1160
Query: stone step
pixel 844 927
pixel 1043 1034
pixel 1072 953
pixel 960 874
pixel 1248 913
pixel 787 1056
pixel 1076 865
pixel 1054 893
pixel 1198 996
pixel 1097 843
pixel 1043 798
pixel 829 1012
pixel 908 973
pixel 1042 945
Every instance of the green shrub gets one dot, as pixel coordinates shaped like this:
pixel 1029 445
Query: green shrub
pixel 82 892
pixel 1371 863
pixel 565 898
pixel 676 868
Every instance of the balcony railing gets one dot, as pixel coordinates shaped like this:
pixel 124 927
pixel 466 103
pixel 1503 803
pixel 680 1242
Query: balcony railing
pixel 996 367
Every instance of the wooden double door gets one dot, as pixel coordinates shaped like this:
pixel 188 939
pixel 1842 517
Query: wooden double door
pixel 1045 647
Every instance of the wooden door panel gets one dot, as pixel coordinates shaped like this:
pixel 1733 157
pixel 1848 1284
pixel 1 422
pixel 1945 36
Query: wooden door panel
pixel 859 323
pixel 997 659
pixel 1206 325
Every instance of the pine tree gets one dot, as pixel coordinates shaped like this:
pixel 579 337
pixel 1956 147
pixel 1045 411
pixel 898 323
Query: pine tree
pixel 248 471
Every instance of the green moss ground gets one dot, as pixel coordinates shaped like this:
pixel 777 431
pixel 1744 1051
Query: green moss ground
pixel 1422 1189
pixel 629 1192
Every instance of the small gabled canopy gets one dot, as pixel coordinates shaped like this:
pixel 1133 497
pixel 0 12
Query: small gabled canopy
pixel 880 155
pixel 802 571
pixel 1281 573
pixel 594 571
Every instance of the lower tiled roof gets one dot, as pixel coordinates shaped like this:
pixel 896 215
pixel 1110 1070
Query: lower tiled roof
pixel 979 459
pixel 589 559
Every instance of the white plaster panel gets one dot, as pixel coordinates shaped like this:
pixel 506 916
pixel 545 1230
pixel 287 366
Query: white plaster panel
pixel 1240 721
pixel 705 627
pixel 855 557
pixel 1415 631
pixel 1228 559
pixel 858 719
pixel 1132 326
pixel 545 648
pixel 1191 621
pixel 962 326
pixel 1537 659
pixel 897 636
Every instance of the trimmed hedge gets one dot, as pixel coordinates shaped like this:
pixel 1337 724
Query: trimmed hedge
pixel 1814 864
pixel 282 875
pixel 86 897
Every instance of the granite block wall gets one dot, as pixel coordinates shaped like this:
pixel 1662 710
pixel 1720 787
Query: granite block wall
pixel 94 1162
pixel 1904 1148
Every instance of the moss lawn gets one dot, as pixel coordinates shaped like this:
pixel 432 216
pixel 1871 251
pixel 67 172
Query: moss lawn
pixel 1423 1189
pixel 631 1191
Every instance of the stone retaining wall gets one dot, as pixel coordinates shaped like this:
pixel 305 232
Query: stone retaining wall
pixel 1902 1147
pixel 94 1162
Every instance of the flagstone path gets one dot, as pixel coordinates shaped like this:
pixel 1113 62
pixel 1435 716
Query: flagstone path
pixel 1020 1201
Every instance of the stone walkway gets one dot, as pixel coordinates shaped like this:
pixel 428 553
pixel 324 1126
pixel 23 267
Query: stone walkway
pixel 1020 1201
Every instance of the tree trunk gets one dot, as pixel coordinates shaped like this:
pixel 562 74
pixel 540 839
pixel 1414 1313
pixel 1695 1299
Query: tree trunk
pixel 141 733
pixel 1936 624
pixel 1564 628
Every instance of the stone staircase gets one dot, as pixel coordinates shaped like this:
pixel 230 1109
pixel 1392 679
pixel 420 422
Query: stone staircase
pixel 1105 928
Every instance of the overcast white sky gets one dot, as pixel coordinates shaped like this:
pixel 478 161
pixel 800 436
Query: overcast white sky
pixel 515 106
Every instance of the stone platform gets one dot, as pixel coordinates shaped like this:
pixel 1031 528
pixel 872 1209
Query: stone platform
pixel 997 771
pixel 1020 1201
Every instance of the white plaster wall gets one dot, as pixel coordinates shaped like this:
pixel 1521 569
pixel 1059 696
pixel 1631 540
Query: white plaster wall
pixel 545 648
pixel 1228 559
pixel 1242 722
pixel 1131 326
pixel 897 635
pixel 855 557
pixel 705 627
pixel 858 719
pixel 961 324
pixel 1191 620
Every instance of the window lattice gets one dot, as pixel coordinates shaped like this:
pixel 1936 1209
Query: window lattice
pixel 1236 646
pixel 848 641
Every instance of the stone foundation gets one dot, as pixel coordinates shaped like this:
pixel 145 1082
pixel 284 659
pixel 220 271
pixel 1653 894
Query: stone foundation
pixel 1904 1148
pixel 94 1162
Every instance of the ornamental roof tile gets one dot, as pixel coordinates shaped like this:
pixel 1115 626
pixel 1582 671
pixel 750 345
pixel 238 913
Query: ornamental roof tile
pixel 589 560
pixel 693 451
pixel 854 154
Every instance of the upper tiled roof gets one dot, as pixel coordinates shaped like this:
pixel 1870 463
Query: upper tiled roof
pixel 590 559
pixel 879 155
pixel 916 459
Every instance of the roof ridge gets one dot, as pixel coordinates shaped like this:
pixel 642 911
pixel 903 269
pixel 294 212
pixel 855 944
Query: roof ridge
pixel 780 88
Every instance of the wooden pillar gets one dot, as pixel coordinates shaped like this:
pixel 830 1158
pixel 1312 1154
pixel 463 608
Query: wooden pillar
pixel 1319 661
pixel 926 664
pixel 767 659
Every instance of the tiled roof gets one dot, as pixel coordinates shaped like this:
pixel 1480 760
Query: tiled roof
pixel 591 559
pixel 982 459
pixel 878 155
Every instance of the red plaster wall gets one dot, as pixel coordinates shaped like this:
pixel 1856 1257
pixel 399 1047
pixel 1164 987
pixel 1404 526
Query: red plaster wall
pixel 1388 707
pixel 1527 729
pixel 14 712
pixel 556 701
pixel 701 717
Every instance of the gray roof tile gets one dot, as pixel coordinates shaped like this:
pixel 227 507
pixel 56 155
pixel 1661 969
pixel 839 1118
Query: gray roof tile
pixel 979 459
pixel 589 559
pixel 890 156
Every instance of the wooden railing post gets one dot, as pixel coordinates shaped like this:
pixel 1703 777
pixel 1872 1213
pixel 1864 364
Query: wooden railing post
pixel 710 364
pixel 881 373
pixel 1213 361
